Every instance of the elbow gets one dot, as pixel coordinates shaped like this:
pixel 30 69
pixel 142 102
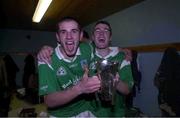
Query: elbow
pixel 49 102
pixel 123 88
pixel 126 92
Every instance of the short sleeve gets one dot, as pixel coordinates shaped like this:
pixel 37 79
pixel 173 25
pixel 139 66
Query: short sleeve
pixel 126 73
pixel 47 80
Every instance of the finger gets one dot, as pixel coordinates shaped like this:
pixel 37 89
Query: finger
pixel 46 51
pixel 117 75
pixel 96 79
pixel 86 71
pixel 45 47
pixel 116 79
pixel 51 51
pixel 85 77
pixel 94 89
pixel 128 54
pixel 99 76
pixel 94 83
pixel 45 56
pixel 48 60
pixel 40 57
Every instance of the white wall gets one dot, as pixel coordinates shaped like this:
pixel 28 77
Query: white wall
pixel 17 41
pixel 150 22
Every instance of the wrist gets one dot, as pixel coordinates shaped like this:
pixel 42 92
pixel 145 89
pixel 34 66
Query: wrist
pixel 117 84
pixel 78 89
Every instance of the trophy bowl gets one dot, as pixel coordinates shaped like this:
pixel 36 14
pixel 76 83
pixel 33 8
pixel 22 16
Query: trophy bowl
pixel 107 71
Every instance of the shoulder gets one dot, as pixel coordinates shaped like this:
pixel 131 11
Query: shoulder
pixel 56 55
pixel 85 45
pixel 86 48
pixel 117 53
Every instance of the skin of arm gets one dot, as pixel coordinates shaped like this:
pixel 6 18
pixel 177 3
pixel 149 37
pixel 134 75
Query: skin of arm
pixel 63 97
pixel 121 86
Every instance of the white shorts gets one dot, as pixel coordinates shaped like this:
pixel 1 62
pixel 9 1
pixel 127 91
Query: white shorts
pixel 85 114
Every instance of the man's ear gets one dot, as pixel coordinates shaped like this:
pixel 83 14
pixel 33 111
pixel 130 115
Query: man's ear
pixel 92 37
pixel 81 36
pixel 110 38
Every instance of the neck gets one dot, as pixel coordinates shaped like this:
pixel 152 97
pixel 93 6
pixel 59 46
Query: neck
pixel 64 54
pixel 103 52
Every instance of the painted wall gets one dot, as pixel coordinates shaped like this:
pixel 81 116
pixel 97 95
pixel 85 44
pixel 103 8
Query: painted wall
pixel 150 22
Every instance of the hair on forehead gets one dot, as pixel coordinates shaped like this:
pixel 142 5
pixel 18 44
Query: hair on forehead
pixel 104 22
pixel 68 18
pixel 85 34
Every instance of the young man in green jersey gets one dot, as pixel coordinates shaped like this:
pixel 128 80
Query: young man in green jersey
pixel 64 82
pixel 101 37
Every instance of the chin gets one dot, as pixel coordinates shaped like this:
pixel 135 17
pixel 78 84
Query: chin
pixel 101 47
pixel 71 54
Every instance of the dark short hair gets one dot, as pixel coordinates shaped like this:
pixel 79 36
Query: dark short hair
pixel 68 18
pixel 104 22
pixel 85 34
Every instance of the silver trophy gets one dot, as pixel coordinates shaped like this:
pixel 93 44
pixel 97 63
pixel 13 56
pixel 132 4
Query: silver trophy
pixel 107 71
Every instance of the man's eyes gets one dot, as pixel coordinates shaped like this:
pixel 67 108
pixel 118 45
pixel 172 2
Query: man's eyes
pixel 62 32
pixel 105 30
pixel 72 31
pixel 75 31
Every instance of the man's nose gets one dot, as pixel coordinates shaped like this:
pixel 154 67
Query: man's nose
pixel 101 33
pixel 68 35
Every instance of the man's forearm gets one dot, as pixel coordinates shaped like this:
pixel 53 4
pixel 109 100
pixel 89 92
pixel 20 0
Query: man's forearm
pixel 62 97
pixel 86 85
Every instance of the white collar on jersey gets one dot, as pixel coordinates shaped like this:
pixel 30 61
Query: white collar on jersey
pixel 61 56
pixel 115 51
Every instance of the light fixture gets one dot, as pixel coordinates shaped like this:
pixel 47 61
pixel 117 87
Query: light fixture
pixel 40 10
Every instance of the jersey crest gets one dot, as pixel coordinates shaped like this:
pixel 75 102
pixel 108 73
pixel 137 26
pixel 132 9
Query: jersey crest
pixel 61 71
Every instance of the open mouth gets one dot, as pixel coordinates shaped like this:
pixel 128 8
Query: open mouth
pixel 70 45
pixel 101 40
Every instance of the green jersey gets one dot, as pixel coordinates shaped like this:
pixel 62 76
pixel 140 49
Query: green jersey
pixel 63 74
pixel 125 73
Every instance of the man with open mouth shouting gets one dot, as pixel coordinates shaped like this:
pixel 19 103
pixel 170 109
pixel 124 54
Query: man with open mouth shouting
pixel 101 36
pixel 64 82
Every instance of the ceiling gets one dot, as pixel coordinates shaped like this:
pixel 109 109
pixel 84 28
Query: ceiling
pixel 17 14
